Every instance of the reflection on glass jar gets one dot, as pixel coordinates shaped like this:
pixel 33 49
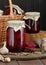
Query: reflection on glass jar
pixel 32 20
pixel 15 35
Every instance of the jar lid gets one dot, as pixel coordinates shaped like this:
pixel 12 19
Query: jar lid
pixel 32 15
pixel 16 24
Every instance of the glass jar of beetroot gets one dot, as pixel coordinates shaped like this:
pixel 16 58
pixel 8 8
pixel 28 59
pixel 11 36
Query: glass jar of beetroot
pixel 15 35
pixel 32 20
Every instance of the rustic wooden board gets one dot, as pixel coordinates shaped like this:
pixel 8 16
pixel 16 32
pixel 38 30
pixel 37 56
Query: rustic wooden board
pixel 31 62
pixel 12 63
pixel 1 63
pixel 25 56
pixel 43 61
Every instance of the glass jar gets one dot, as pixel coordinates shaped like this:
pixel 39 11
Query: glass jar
pixel 43 45
pixel 15 35
pixel 32 20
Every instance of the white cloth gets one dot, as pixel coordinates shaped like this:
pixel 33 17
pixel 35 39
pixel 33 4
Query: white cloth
pixel 16 24
pixel 32 15
pixel 19 10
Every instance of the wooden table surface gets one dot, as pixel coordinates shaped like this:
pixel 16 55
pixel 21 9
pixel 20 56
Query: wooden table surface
pixel 26 62
pixel 29 62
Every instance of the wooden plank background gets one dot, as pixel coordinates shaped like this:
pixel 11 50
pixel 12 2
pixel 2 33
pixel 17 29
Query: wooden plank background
pixel 28 62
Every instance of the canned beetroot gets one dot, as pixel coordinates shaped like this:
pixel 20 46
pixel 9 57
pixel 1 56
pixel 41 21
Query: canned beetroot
pixel 32 20
pixel 16 35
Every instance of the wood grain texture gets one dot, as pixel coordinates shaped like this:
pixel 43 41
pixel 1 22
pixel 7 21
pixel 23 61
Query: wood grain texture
pixel 33 37
pixel 31 62
pixel 1 63
pixel 43 61
pixel 12 63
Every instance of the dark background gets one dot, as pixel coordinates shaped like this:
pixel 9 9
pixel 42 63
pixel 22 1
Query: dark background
pixel 30 5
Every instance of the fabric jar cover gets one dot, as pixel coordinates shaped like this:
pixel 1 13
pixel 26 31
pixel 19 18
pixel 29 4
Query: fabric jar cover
pixel 1 12
pixel 16 10
pixel 15 35
pixel 32 20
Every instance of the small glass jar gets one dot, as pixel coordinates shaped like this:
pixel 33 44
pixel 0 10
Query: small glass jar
pixel 43 45
pixel 32 20
pixel 15 35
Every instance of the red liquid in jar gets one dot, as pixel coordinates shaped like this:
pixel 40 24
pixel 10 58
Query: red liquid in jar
pixel 10 39
pixel 14 40
pixel 20 46
pixel 29 22
pixel 7 11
